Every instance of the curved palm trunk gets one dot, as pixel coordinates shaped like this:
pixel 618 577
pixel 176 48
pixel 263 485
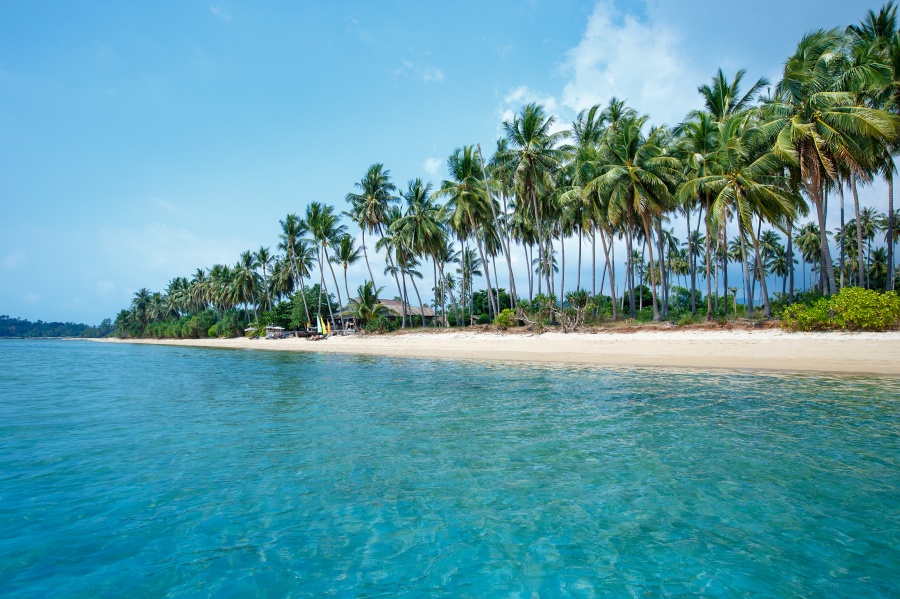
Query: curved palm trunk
pixel 399 288
pixel 890 232
pixel 649 239
pixel 612 275
pixel 504 240
pixel 790 259
pixel 562 274
pixel 629 268
pixel 709 306
pixel 412 279
pixel 748 293
pixel 767 311
pixel 346 287
pixel 594 263
pixel 578 273
pixel 859 234
pixel 337 289
pixel 843 232
pixel 487 273
pixel 366 256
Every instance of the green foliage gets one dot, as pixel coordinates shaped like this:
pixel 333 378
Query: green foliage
pixel 480 301
pixel 506 318
pixel 197 326
pixel 382 324
pixel 232 324
pixel 852 309
pixel 483 319
pixel 17 327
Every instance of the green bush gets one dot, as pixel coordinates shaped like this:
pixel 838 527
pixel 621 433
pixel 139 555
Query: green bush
pixel 382 324
pixel 506 318
pixel 483 319
pixel 852 309
pixel 213 331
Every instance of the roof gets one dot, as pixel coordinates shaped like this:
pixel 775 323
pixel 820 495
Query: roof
pixel 396 307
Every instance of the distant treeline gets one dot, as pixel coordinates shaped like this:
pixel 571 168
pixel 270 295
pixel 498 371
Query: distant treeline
pixel 17 327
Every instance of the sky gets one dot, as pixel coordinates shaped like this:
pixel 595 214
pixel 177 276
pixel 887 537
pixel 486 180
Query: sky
pixel 141 141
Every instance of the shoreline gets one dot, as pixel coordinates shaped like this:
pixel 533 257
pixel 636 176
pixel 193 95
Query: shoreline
pixel 750 350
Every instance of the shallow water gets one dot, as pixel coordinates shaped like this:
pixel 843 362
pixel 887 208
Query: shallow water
pixel 164 471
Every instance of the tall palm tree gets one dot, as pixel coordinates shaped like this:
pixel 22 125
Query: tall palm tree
pixel 635 173
pixel 345 254
pixel 293 228
pixel 467 210
pixel 532 149
pixel 818 124
pixel 325 229
pixel 369 207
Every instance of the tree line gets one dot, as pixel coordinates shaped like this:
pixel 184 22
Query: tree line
pixel 751 174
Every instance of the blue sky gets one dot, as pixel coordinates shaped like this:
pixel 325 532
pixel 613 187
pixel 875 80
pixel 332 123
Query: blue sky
pixel 140 141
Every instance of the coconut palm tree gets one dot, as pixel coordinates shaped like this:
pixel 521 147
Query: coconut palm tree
pixel 345 254
pixel 818 124
pixel 635 173
pixel 293 228
pixel 369 207
pixel 325 229
pixel 532 149
pixel 467 211
pixel 366 306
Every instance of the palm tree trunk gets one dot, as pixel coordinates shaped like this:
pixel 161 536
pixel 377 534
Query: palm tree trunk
pixel 843 231
pixel 562 273
pixel 528 255
pixel 366 256
pixel 504 241
pixel 709 306
pixel 412 279
pixel 612 275
pixel 594 263
pixel 790 259
pixel 399 288
pixel 890 231
pixel 487 271
pixel 347 287
pixel 629 269
pixel 649 241
pixel 748 293
pixel 337 289
pixel 859 234
pixel 759 268
pixel 578 275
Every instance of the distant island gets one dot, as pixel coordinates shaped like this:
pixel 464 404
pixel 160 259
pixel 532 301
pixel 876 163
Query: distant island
pixel 21 328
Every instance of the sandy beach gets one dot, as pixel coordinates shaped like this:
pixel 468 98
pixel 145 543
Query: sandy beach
pixel 770 350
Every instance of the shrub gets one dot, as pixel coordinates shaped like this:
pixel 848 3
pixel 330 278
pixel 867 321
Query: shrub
pixel 506 318
pixel 852 309
pixel 381 324
pixel 483 319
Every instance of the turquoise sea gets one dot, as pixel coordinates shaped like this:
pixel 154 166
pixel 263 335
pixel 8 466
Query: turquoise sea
pixel 146 471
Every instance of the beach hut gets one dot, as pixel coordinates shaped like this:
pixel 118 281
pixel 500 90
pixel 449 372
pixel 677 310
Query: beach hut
pixel 395 310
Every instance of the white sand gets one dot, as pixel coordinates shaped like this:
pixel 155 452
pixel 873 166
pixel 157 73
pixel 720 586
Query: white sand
pixel 862 353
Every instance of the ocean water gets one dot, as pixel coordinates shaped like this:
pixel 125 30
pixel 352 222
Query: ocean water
pixel 139 471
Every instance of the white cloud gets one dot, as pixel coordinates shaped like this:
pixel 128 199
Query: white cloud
pixel 522 95
pixel 219 13
pixel 432 74
pixel 638 61
pixel 421 72
pixel 14 259
pixel 432 165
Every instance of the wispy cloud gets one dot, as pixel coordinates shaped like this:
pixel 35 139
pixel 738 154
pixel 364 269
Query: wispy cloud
pixel 432 165
pixel 14 259
pixel 417 71
pixel 521 95
pixel 219 12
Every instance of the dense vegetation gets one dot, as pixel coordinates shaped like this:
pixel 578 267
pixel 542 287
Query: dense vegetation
pixel 17 327
pixel 750 174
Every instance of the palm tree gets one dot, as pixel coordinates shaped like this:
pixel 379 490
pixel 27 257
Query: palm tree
pixel 264 260
pixel 818 124
pixel 635 173
pixel 467 210
pixel 369 207
pixel 532 149
pixel 747 185
pixel 324 227
pixel 366 307
pixel 293 228
pixel 345 253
